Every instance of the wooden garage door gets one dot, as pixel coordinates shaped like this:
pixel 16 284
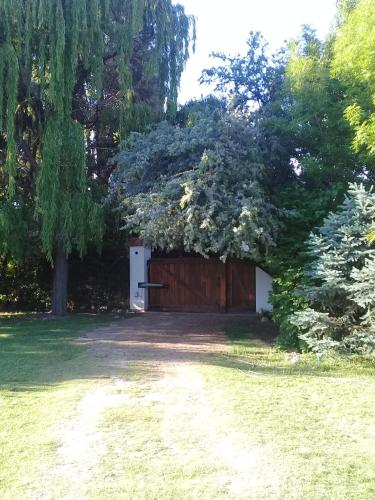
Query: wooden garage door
pixel 240 286
pixel 197 284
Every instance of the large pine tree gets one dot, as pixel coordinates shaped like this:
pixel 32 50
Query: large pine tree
pixel 341 297
pixel 76 75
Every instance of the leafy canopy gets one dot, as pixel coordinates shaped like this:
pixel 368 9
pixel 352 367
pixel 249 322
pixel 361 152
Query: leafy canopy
pixel 249 81
pixel 55 58
pixel 197 189
pixel 354 65
pixel 317 103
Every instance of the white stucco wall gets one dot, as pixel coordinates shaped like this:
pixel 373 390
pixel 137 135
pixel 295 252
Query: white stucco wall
pixel 138 297
pixel 263 289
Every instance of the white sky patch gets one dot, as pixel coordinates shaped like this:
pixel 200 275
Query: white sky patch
pixel 224 27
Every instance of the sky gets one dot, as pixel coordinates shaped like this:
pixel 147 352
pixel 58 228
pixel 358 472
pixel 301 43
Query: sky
pixel 224 25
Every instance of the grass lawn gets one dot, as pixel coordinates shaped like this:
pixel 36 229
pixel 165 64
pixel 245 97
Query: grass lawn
pixel 242 424
pixel 42 377
pixel 319 418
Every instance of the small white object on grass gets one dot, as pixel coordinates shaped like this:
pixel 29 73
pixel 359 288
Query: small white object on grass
pixel 319 356
pixel 295 359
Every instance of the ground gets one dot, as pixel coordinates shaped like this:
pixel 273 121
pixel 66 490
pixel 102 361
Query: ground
pixel 170 406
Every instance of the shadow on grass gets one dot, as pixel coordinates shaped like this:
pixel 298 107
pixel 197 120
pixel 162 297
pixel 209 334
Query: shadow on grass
pixel 36 354
pixel 257 352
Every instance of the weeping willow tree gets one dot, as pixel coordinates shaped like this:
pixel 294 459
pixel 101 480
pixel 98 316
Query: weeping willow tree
pixel 75 76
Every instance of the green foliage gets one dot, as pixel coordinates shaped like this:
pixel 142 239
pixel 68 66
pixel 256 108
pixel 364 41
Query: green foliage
pixel 344 8
pixel 354 65
pixel 318 138
pixel 341 297
pixel 97 282
pixel 197 188
pixel 60 61
pixel 285 303
pixel 247 82
pixel 306 209
pixel 193 111
pixel 323 137
pixel 68 212
pixel 8 106
pixel 25 285
pixel 13 228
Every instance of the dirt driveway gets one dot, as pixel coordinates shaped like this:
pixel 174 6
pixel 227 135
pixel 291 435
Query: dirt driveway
pixel 167 351
pixel 166 337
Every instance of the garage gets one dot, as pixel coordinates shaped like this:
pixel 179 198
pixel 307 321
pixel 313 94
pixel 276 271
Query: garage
pixel 198 284
pixel 195 284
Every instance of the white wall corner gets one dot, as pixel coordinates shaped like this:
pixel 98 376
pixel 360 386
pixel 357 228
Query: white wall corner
pixel 138 297
pixel 263 289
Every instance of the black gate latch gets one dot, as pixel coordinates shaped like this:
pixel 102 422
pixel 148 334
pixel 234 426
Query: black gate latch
pixel 152 285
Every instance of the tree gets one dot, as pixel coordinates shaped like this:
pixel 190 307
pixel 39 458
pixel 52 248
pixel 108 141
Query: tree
pixel 252 86
pixel 305 208
pixel 197 188
pixel 249 81
pixel 68 68
pixel 354 65
pixel 317 103
pixel 320 147
pixel 340 295
pixel 297 107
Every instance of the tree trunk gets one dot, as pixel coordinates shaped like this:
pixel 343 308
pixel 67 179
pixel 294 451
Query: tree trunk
pixel 60 283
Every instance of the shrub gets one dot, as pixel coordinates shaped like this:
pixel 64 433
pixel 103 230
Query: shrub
pixel 285 303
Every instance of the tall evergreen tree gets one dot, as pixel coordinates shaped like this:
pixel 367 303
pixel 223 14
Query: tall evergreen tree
pixel 65 65
pixel 340 296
